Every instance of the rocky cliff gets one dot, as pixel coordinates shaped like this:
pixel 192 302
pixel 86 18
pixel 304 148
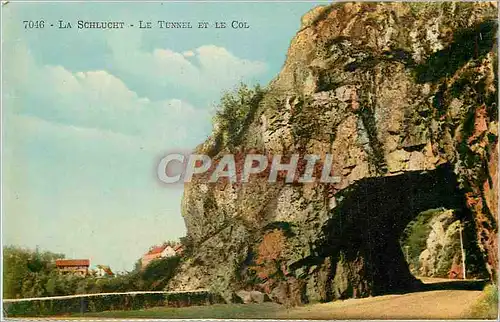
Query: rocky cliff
pixel 433 246
pixel 404 95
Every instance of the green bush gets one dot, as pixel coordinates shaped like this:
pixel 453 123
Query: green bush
pixel 235 113
pixel 487 306
pixel 26 271
pixel 415 236
pixel 108 302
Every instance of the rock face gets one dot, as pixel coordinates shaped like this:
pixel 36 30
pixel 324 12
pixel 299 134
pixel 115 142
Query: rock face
pixel 433 246
pixel 443 238
pixel 404 96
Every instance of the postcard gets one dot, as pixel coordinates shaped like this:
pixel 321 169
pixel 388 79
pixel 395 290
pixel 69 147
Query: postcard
pixel 283 160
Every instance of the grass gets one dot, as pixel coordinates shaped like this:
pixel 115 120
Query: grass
pixel 487 306
pixel 216 311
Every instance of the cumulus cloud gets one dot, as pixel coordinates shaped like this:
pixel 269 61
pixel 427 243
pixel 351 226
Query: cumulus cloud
pixel 207 69
pixel 188 53
pixel 98 100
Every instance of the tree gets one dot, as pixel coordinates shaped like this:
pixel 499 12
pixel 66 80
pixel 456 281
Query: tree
pixel 235 111
pixel 137 265
pixel 25 271
pixel 159 272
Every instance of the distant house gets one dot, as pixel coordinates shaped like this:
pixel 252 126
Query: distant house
pixel 73 266
pixel 162 251
pixel 178 249
pixel 104 270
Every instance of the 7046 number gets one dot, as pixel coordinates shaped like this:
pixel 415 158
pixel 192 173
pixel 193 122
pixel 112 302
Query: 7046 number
pixel 34 24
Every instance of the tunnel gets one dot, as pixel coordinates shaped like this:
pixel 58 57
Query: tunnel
pixel 363 232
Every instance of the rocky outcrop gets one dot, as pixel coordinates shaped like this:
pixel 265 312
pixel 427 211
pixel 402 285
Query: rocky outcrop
pixel 404 96
pixel 442 243
pixel 433 248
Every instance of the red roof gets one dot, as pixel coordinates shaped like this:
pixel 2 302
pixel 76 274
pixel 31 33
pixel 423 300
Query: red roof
pixel 156 250
pixel 72 262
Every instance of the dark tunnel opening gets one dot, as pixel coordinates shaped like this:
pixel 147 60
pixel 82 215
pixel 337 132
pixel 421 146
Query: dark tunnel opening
pixel 364 232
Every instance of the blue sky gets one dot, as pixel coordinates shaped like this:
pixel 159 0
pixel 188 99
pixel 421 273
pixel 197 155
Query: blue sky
pixel 87 114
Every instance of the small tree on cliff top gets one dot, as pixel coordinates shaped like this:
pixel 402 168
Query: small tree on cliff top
pixel 235 112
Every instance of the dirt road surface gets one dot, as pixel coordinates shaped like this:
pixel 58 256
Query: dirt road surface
pixel 442 300
pixel 447 304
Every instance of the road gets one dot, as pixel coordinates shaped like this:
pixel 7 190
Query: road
pixel 448 304
pixel 441 300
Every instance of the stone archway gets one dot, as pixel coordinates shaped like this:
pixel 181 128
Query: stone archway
pixel 360 247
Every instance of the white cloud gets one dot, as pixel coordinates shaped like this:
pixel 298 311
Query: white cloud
pixel 188 53
pixel 208 69
pixel 99 100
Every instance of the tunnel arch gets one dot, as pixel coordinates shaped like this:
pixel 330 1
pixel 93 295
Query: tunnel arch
pixel 361 239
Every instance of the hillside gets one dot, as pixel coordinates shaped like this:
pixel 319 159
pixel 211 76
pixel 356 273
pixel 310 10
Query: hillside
pixel 404 95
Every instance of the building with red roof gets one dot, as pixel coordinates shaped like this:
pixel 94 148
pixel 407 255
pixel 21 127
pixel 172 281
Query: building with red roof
pixel 73 266
pixel 163 251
